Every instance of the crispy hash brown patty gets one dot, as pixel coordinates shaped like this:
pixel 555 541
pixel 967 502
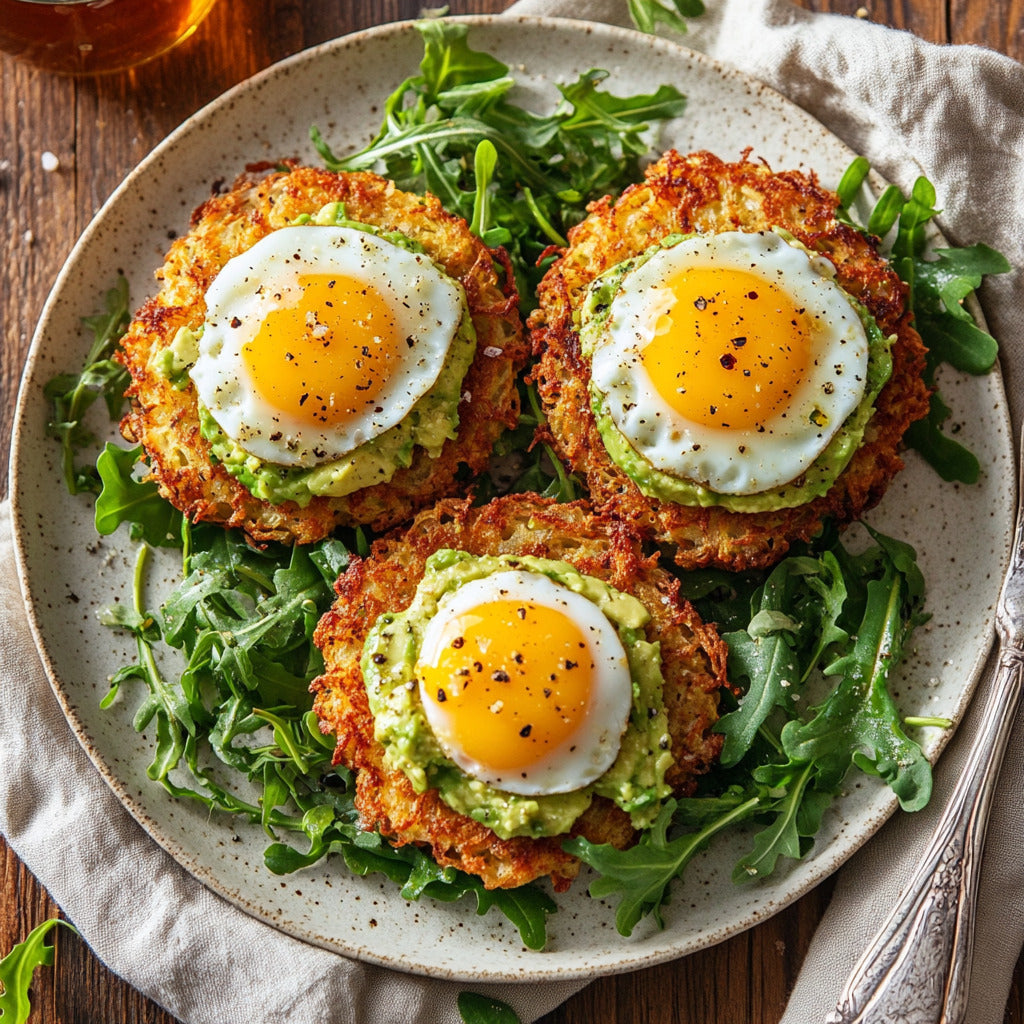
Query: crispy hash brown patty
pixel 702 194
pixel 165 420
pixel 693 665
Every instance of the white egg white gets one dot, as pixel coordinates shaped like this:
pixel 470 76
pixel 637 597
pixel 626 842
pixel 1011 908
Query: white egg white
pixel 732 461
pixel 587 754
pixel 428 307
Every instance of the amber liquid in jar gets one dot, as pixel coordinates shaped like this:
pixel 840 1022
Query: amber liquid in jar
pixel 82 37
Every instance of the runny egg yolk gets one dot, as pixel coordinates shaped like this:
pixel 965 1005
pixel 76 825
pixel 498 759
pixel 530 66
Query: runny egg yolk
pixel 325 357
pixel 511 681
pixel 729 348
pixel 729 362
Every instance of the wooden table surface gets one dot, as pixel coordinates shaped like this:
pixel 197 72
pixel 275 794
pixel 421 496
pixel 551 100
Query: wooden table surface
pixel 99 129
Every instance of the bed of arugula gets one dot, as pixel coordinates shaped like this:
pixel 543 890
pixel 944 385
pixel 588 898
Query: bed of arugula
pixel 811 642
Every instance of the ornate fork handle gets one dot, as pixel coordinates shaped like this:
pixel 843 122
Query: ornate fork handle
pixel 917 970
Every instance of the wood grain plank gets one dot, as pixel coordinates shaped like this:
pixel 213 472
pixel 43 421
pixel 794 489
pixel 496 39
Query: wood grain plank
pixel 746 978
pixel 925 19
pixel 34 205
pixel 999 26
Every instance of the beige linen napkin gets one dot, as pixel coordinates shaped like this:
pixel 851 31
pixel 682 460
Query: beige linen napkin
pixel 956 113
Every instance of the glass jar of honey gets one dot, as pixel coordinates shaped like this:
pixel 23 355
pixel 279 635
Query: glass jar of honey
pixel 87 37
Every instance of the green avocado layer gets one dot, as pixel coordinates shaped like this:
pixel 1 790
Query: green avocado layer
pixel 813 483
pixel 433 420
pixel 635 782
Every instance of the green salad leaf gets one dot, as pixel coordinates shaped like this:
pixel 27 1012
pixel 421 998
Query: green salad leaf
pixel 234 727
pixel 939 287
pixel 765 653
pixel 858 721
pixel 641 875
pixel 123 499
pixel 814 617
pixel 18 967
pixel 646 15
pixel 475 1008
pixel 520 179
pixel 72 394
pixel 519 465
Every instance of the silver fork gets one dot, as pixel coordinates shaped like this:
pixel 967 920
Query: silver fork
pixel 918 968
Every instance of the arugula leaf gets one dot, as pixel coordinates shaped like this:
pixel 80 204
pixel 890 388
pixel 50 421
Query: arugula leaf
pixel 849 187
pixel 519 464
pixel 536 172
pixel 825 612
pixel 646 15
pixel 765 653
pixel 418 875
pixel 123 499
pixel 859 722
pixel 244 619
pixel 449 62
pixel 477 1009
pixel 165 702
pixel 485 160
pixel 797 818
pixel 18 966
pixel 955 273
pixel 72 394
pixel 941 286
pixel 913 214
pixel 526 906
pixel 641 875
pixel 769 668
pixel 938 290
pixel 886 211
pixel 950 459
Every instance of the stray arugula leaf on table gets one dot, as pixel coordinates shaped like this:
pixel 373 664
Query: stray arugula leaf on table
pixel 18 967
pixel 478 1009
pixel 939 287
pixel 646 15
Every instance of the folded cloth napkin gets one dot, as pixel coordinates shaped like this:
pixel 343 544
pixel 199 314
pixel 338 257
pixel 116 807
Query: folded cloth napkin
pixel 955 113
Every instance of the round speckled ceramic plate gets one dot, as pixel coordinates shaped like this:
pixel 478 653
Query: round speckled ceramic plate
pixel 68 572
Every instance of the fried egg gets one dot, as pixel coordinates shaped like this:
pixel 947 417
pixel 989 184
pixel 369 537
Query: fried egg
pixel 731 360
pixel 319 339
pixel 525 684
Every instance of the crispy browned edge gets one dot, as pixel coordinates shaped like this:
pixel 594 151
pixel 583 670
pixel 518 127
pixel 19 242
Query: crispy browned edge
pixel 702 193
pixel 693 663
pixel 166 421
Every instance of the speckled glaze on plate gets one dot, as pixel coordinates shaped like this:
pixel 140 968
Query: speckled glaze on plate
pixel 961 533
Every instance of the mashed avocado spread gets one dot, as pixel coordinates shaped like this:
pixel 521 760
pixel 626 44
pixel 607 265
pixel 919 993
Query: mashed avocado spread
pixel 635 782
pixel 655 483
pixel 432 420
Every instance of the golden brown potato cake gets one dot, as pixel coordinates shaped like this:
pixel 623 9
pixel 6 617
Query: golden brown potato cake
pixel 166 421
pixel 703 194
pixel 693 665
